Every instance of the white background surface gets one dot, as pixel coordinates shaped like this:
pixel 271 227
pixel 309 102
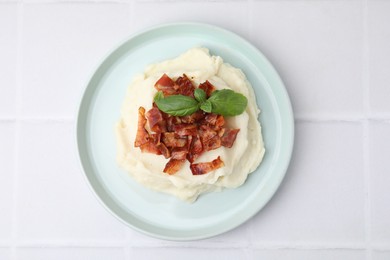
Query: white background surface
pixel 334 57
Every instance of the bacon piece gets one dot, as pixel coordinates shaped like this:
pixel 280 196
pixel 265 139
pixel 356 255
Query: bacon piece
pixel 170 139
pixel 220 121
pixel 164 150
pixel 173 166
pixel 211 119
pixel 179 153
pixel 216 121
pixel 150 147
pixel 207 87
pixel 193 118
pixel 171 121
pixel 185 129
pixel 155 119
pixel 221 131
pixel 166 85
pixel 212 143
pixel 202 168
pixel 195 150
pixel 155 138
pixel 184 86
pixel 206 133
pixel 229 137
pixel 142 136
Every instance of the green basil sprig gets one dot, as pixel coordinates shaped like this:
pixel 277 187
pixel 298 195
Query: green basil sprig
pixel 224 102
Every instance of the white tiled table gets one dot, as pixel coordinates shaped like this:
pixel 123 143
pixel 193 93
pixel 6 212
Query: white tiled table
pixel 334 57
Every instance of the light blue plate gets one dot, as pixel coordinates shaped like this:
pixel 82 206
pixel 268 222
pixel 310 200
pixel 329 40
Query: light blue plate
pixel 155 213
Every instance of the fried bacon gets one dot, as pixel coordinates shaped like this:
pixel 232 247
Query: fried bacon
pixel 212 143
pixel 170 139
pixel 202 168
pixel 179 153
pixel 181 138
pixel 185 129
pixel 195 150
pixel 155 119
pixel 207 87
pixel 150 147
pixel 142 135
pixel 164 150
pixel 166 85
pixel 173 166
pixel 193 118
pixel 184 86
pixel 229 137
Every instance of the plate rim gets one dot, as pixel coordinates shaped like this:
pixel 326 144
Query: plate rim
pixel 289 137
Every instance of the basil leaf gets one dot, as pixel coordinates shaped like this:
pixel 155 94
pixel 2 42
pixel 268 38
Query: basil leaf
pixel 226 102
pixel 206 106
pixel 177 105
pixel 200 95
pixel 159 95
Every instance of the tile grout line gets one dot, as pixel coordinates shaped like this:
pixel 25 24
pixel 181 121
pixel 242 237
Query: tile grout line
pixel 18 101
pixel 366 132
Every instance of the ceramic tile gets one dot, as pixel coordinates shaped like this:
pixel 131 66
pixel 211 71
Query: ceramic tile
pixel 220 13
pixel 379 41
pixel 381 255
pixel 70 253
pixel 8 54
pixel 55 202
pixel 322 197
pixel 7 157
pixel 380 181
pixel 317 48
pixel 63 44
pixel 5 254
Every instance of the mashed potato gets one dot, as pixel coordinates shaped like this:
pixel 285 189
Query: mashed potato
pixel 240 160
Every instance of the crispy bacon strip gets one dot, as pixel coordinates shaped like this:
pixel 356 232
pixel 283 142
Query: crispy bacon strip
pixel 215 121
pixel 220 121
pixel 207 87
pixel 212 143
pixel 166 85
pixel 171 121
pixel 184 86
pixel 155 138
pixel 195 150
pixel 155 119
pixel 142 136
pixel 206 133
pixel 173 166
pixel 164 150
pixel 170 140
pixel 194 118
pixel 202 168
pixel 211 119
pixel 229 137
pixel 185 129
pixel 179 153
pixel 150 147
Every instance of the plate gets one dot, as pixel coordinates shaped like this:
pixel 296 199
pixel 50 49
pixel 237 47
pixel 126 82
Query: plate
pixel 161 215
